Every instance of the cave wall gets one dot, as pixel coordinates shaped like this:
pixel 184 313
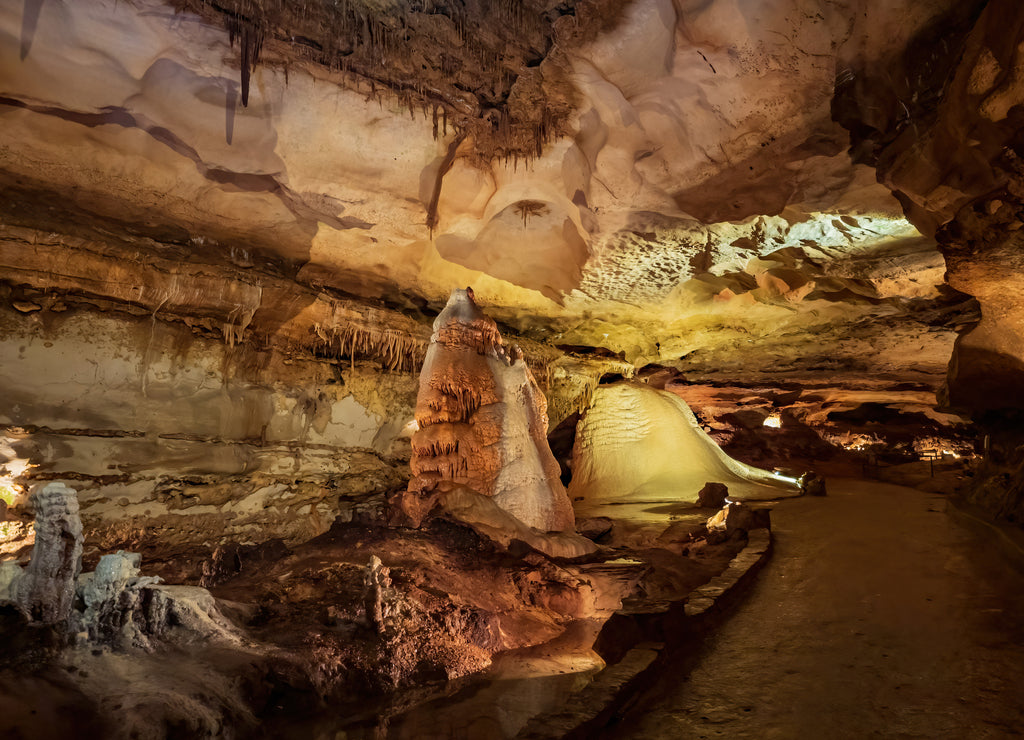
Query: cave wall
pixel 942 125
pixel 178 439
pixel 698 208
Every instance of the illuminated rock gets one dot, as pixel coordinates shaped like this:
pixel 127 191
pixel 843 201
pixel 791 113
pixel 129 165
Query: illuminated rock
pixel 378 594
pixel 732 517
pixel 483 423
pixel 641 444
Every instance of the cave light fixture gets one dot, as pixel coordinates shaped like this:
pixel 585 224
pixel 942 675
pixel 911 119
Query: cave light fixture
pixel 787 478
pixel 774 419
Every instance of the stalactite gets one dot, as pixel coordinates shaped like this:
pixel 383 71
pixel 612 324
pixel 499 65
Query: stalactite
pixel 250 44
pixel 379 44
pixel 466 400
pixel 395 350
pixel 446 165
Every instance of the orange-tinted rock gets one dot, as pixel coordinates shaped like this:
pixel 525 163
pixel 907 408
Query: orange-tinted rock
pixel 483 423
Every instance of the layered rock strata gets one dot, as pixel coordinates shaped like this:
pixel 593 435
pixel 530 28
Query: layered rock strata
pixel 696 180
pixel 945 138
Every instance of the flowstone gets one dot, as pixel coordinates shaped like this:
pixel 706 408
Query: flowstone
pixel 482 424
pixel 640 444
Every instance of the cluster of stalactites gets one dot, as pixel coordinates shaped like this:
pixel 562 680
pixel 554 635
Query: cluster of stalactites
pixel 452 404
pixel 370 46
pixel 395 350
pixel 448 444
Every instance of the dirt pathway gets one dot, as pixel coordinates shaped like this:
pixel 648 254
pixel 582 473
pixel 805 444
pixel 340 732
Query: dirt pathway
pixel 878 616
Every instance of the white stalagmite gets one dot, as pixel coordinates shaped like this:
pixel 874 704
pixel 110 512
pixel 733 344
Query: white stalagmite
pixel 638 444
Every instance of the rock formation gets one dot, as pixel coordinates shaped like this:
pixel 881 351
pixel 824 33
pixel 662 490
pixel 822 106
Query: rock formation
pixel 735 516
pixel 126 610
pixel 376 597
pixel 227 227
pixel 712 495
pixel 255 296
pixel 112 597
pixel 812 484
pixel 639 444
pixel 483 423
pixel 46 590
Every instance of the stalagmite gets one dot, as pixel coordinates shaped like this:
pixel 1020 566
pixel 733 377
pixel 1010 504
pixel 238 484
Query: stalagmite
pixel 483 424
pixel 46 590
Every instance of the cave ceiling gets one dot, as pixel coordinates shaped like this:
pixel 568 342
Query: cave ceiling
pixel 741 187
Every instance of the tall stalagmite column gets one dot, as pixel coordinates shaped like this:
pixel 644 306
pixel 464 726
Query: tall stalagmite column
pixel 47 589
pixel 483 423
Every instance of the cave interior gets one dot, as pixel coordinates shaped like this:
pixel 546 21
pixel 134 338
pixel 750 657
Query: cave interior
pixel 349 348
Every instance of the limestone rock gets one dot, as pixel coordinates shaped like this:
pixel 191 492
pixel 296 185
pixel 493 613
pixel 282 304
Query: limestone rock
pixel 379 599
pixel 812 484
pixel 114 610
pixel 483 514
pixel 594 528
pixel 712 495
pixel 232 558
pixel 732 517
pixel 47 589
pixel 10 574
pixel 125 610
pixel 483 422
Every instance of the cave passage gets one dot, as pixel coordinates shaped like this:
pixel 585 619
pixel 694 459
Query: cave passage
pixel 878 616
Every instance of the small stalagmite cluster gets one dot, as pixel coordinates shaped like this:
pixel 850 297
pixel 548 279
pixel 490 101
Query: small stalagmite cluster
pixel 482 424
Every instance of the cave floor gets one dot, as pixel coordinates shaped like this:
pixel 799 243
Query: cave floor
pixel 878 616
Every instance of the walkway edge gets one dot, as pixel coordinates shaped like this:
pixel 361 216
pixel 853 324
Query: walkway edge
pixel 1008 537
pixel 656 636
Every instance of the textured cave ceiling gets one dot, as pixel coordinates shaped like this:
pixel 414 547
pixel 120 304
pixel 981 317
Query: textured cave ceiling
pixel 735 188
